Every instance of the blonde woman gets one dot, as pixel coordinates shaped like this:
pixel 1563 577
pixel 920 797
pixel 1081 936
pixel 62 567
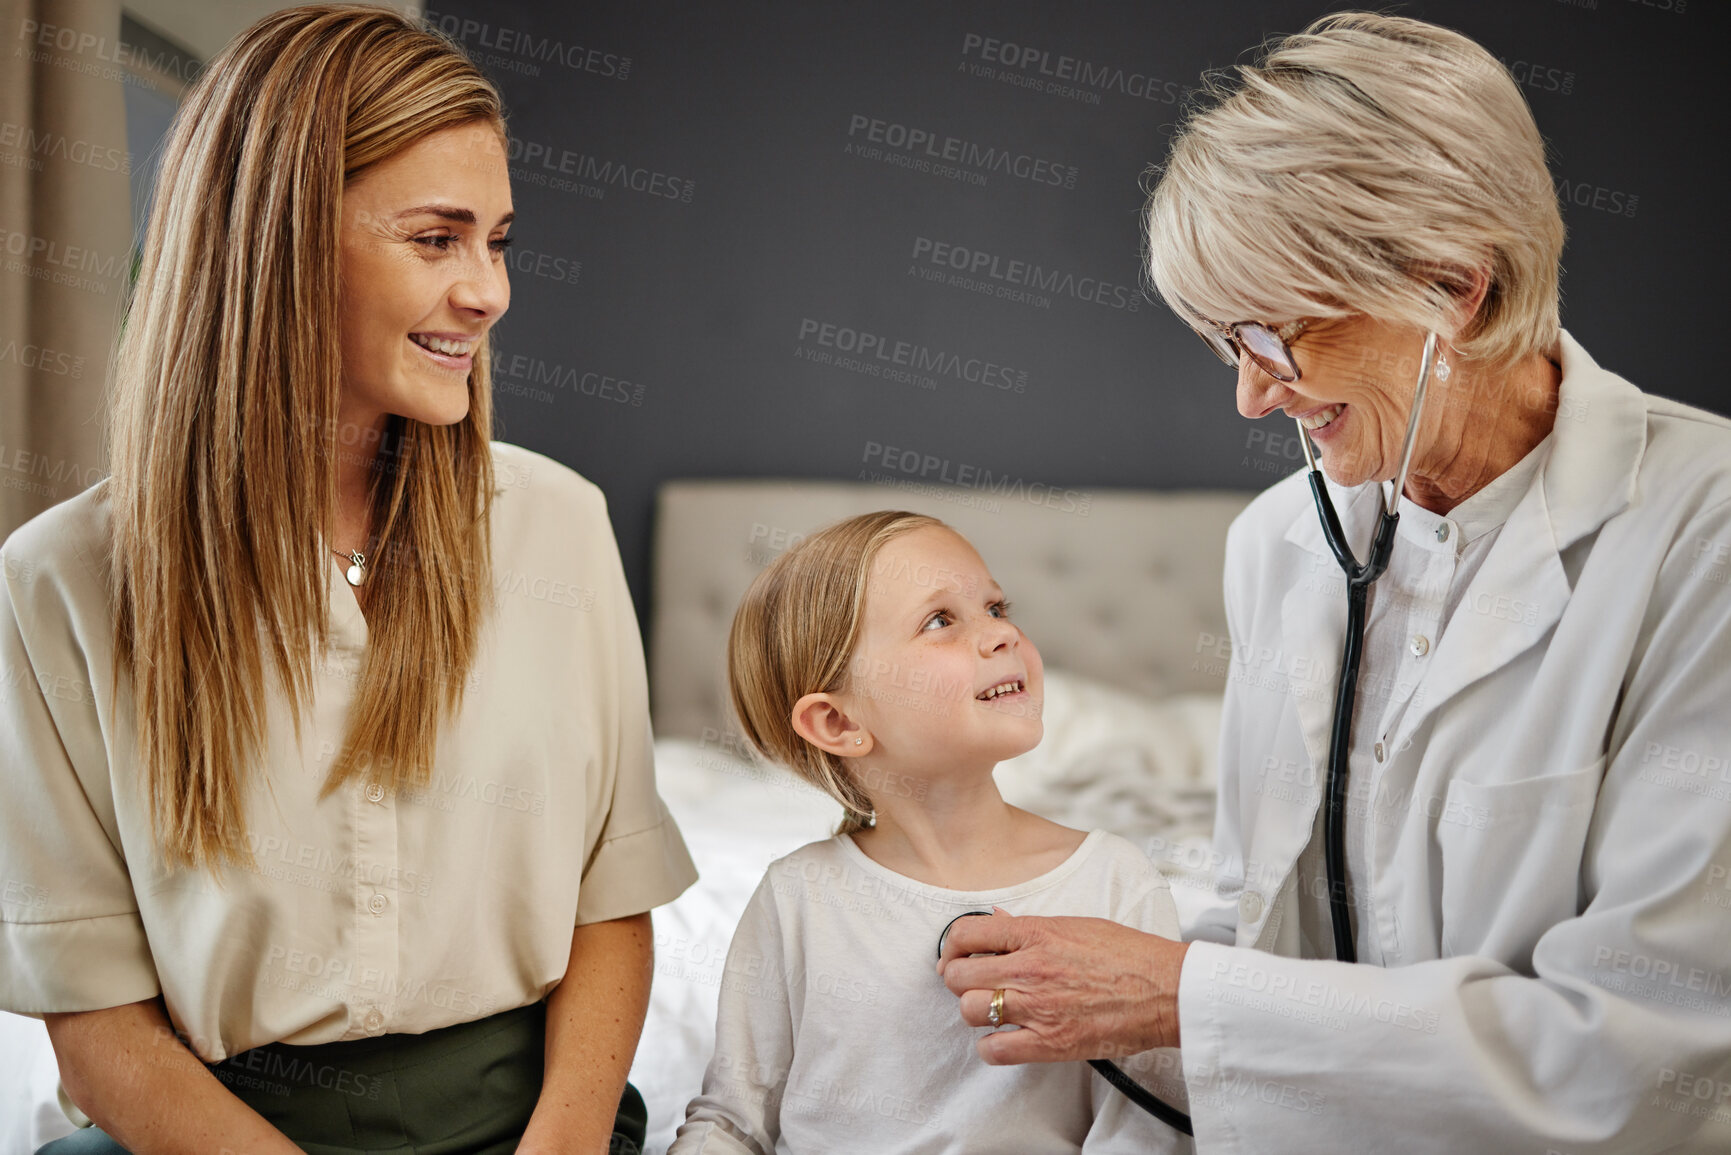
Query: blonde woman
pixel 1527 949
pixel 330 845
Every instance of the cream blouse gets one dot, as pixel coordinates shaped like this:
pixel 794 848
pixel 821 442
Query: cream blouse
pixel 364 912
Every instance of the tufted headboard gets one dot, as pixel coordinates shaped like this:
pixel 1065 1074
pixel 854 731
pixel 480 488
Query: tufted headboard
pixel 1123 586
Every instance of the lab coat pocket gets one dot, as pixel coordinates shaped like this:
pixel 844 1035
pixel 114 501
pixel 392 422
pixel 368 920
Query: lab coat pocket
pixel 1511 860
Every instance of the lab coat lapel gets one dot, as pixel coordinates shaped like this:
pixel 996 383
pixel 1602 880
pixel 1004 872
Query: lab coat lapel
pixel 1597 442
pixel 1600 436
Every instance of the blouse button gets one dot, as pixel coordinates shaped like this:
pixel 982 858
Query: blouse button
pixel 1442 532
pixel 377 904
pixel 374 1022
pixel 1420 645
pixel 1250 906
pixel 375 792
pixel 1381 753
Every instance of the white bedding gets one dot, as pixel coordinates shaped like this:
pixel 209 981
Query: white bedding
pixel 1110 759
pixel 30 1114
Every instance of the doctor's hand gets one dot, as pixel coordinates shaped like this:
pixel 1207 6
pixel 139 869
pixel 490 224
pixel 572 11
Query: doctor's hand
pixel 1079 988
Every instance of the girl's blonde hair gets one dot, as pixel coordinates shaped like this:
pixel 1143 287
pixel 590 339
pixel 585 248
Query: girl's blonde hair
pixel 794 634
pixel 1366 165
pixel 224 430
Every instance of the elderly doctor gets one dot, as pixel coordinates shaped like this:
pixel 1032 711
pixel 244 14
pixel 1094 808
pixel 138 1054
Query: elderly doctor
pixel 1535 869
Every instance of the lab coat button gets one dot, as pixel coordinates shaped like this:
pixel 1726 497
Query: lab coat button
pixel 1442 532
pixel 375 792
pixel 377 904
pixel 374 1022
pixel 1249 906
pixel 1380 752
pixel 1420 645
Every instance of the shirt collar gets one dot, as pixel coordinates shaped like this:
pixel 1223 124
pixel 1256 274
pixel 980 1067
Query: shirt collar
pixel 1490 507
pixel 1597 444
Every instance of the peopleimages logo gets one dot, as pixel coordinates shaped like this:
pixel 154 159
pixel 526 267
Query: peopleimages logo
pixel 85 52
pixel 1540 76
pixel 38 143
pixel 827 343
pixel 1598 197
pixel 1061 75
pixel 974 266
pixel 48 259
pixel 535 371
pixel 933 475
pixel 527 47
pixel 951 156
pixel 547 164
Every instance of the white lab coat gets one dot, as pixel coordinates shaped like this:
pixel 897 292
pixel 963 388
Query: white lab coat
pixel 1553 900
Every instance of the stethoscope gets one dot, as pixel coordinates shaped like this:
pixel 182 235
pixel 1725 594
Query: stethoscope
pixel 1359 578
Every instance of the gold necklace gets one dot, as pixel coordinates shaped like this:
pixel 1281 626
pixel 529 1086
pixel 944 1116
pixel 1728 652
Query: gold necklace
pixel 357 572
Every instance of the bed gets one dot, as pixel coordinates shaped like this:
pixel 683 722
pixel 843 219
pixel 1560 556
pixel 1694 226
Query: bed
pixel 1120 590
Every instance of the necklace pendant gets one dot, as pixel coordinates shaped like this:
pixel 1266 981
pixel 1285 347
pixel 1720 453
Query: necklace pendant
pixel 356 573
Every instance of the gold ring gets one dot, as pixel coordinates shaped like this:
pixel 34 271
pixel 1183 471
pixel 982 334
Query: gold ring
pixel 995 1015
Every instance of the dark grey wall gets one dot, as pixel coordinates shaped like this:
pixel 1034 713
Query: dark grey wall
pixel 694 207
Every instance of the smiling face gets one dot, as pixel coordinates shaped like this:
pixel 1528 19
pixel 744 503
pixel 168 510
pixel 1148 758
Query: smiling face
pixel 1354 395
pixel 423 274
pixel 940 676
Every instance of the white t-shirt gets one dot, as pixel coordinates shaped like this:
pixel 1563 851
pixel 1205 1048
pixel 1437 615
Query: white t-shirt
pixel 835 1033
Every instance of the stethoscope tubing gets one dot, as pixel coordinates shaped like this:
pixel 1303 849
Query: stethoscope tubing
pixel 1359 578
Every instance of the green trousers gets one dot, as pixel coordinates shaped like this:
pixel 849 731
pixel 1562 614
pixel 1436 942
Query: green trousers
pixel 466 1089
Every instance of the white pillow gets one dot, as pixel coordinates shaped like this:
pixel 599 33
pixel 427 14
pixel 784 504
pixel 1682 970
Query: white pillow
pixel 30 1112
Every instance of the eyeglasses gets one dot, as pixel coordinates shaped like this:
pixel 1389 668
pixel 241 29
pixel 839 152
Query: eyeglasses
pixel 1265 346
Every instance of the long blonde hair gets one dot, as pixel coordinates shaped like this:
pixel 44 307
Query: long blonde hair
pixel 224 435
pixel 793 635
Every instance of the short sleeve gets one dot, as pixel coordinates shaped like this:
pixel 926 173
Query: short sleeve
pixel 71 938
pixel 640 860
pixel 1145 897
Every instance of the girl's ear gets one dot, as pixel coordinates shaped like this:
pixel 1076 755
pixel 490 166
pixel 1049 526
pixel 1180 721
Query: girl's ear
pixel 820 720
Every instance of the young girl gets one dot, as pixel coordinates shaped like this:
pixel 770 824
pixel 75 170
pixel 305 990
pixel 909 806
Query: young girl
pixel 878 660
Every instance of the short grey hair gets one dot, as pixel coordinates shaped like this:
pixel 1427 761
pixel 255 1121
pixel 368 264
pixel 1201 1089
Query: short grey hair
pixel 1365 165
